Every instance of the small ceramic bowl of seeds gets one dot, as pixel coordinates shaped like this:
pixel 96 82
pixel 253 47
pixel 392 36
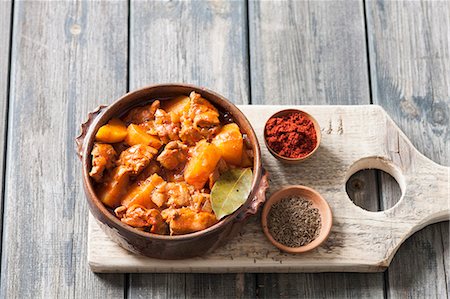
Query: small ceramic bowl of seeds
pixel 296 219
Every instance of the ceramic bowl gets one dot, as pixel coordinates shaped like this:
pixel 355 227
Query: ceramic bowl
pixel 294 160
pixel 162 246
pixel 317 202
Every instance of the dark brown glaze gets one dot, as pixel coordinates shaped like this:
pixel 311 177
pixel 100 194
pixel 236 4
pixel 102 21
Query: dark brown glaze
pixel 161 246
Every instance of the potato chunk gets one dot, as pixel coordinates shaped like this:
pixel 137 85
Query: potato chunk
pixel 114 131
pixel 230 143
pixel 114 188
pixel 202 163
pixel 141 193
pixel 138 135
pixel 177 105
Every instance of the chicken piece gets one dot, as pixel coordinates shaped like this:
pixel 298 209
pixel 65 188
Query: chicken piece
pixel 142 114
pixel 159 195
pixel 174 176
pixel 202 112
pixel 169 213
pixel 184 220
pixel 139 217
pixel 136 158
pixel 174 155
pixel 178 195
pixel 172 195
pixel 207 207
pixel 222 166
pixel 188 133
pixel 120 147
pixel 200 202
pixel 206 119
pixel 120 211
pixel 215 175
pixel 200 121
pixel 247 158
pixel 103 158
pixel 166 128
pixel 152 168
pixel 149 126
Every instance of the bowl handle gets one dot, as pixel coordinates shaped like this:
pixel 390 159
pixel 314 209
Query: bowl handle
pixel 258 199
pixel 85 128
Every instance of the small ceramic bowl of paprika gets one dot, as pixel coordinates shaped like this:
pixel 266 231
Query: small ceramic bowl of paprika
pixel 292 135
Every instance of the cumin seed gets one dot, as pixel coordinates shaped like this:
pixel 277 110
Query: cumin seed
pixel 294 222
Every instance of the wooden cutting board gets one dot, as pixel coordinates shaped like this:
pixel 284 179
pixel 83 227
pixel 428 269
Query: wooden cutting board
pixel 353 138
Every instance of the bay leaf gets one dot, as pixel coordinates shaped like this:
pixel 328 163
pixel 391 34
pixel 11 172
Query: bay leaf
pixel 230 191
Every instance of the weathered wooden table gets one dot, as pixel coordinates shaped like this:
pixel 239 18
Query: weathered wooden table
pixel 58 60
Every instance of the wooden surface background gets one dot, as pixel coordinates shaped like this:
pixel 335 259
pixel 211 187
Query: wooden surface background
pixel 59 60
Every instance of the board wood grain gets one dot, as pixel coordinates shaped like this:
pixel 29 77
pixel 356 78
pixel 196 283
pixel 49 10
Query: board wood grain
pixel 64 61
pixel 203 43
pixel 410 69
pixel 312 52
pixel 360 241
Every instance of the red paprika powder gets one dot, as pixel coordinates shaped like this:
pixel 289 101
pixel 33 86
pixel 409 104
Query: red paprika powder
pixel 291 135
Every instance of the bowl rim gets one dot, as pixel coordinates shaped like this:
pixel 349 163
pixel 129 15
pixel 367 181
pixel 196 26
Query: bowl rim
pixel 326 213
pixel 316 128
pixel 94 201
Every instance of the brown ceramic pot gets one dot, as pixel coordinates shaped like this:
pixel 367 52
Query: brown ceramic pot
pixel 162 246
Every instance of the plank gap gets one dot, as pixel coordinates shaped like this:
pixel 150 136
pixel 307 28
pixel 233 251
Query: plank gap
pixel 6 123
pixel 249 63
pixel 128 43
pixel 366 31
pixel 126 286
pixel 447 291
pixel 385 284
pixel 378 183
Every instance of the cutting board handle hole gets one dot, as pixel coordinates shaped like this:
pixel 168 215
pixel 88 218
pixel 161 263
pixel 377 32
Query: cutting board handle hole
pixel 374 184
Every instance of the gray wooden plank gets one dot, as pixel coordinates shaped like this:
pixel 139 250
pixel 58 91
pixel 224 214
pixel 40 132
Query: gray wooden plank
pixel 67 57
pixel 308 52
pixel 410 71
pixel 203 43
pixel 192 286
pixel 157 286
pixel 240 285
pixel 362 189
pixel 312 52
pixel 5 32
pixel 445 232
pixel 323 285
